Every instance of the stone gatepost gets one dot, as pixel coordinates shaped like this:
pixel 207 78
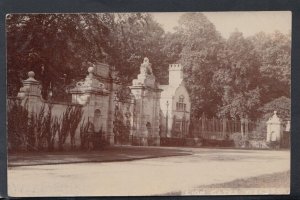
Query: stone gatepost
pixel 30 93
pixel 147 98
pixel 274 128
pixel 93 95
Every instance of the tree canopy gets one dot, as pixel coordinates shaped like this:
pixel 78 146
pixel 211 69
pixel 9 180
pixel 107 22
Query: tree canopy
pixel 201 48
pixel 55 46
pixel 232 77
pixel 58 47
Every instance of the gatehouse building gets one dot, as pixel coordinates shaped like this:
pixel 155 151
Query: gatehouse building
pixel 175 104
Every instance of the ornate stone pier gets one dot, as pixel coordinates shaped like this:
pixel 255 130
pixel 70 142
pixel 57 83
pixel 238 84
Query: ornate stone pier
pixel 147 96
pixel 30 93
pixel 93 95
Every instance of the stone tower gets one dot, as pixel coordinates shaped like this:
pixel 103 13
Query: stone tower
pixel 175 74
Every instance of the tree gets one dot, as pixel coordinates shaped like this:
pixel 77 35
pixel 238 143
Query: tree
pixel 274 52
pixel 55 46
pixel 60 47
pixel 229 78
pixel 17 124
pixel 282 105
pixel 133 37
pixel 201 48
pixel 240 78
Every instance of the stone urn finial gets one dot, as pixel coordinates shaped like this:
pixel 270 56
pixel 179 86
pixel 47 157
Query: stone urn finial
pixel 30 80
pixel 31 74
pixel 31 87
pixel 91 71
pixel 274 118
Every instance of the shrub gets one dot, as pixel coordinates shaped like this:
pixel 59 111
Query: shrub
pixel 51 126
pixel 69 123
pixel 30 133
pixel 35 131
pixel 39 124
pixel 84 127
pixel 75 116
pixel 17 124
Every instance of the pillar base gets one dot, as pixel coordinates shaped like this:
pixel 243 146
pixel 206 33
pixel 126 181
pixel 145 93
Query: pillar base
pixel 111 139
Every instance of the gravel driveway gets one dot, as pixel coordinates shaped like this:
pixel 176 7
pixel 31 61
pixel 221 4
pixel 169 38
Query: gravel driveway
pixel 154 176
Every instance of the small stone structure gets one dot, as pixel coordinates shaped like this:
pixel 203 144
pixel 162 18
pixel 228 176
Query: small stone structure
pixel 274 128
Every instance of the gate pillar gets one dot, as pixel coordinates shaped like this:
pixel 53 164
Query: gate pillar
pixel 95 99
pixel 31 93
pixel 147 98
pixel 274 129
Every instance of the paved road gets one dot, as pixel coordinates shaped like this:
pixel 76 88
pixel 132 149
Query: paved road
pixel 145 177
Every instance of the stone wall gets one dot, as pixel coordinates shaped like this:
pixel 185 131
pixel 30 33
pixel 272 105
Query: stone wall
pixel 96 102
pixel 97 94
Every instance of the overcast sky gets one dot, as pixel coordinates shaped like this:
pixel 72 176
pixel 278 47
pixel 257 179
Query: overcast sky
pixel 248 23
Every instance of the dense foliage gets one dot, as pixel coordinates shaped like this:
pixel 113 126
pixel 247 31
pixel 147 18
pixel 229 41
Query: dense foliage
pixel 282 105
pixel 232 77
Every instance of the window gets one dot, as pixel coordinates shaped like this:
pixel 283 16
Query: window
pixel 180 105
pixel 181 99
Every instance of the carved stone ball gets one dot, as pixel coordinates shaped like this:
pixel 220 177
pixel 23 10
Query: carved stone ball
pixel 91 69
pixel 31 74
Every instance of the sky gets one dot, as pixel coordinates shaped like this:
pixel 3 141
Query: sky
pixel 248 23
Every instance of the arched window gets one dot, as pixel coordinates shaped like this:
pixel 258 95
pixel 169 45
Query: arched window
pixel 180 105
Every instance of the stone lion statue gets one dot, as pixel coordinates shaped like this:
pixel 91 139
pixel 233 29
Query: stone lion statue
pixel 146 67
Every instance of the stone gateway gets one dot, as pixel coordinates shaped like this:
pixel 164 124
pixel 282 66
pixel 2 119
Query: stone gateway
pixel 141 108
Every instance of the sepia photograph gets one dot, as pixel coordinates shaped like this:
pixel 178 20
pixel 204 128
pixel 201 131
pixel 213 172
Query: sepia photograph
pixel 148 103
